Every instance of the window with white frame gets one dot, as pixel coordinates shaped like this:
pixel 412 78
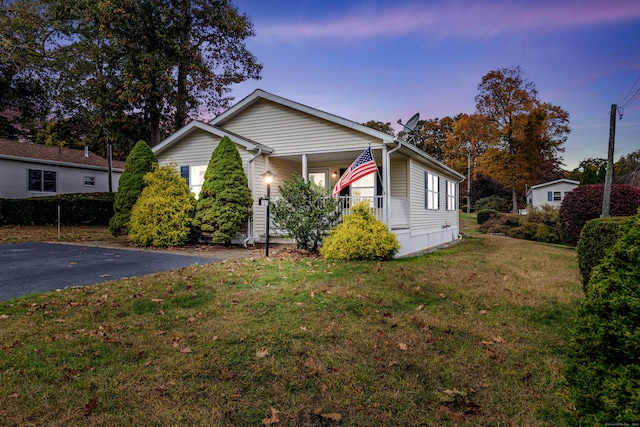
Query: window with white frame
pixel 451 195
pixel 432 194
pixel 89 181
pixel 41 180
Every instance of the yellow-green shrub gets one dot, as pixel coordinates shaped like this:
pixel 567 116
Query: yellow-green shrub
pixel 163 214
pixel 361 236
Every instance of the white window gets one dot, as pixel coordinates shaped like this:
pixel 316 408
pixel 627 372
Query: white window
pixel 451 195
pixel 194 175
pixel 89 181
pixel 432 195
pixel 320 178
pixel 41 180
pixel 364 189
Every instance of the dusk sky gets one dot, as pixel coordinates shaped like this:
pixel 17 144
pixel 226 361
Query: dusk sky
pixel 386 60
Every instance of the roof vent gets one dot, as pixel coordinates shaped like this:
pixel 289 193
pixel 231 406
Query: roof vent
pixel 86 151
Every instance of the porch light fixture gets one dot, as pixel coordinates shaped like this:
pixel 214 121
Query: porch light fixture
pixel 268 179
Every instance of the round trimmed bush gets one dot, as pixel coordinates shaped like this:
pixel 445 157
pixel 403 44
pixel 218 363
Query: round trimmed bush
pixel 603 369
pixel 484 215
pixel 585 203
pixel 360 237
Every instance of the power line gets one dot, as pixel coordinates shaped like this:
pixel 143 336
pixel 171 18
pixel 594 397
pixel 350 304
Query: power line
pixel 628 100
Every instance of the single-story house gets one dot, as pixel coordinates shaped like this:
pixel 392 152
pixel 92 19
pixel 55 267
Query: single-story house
pixel 412 193
pixel 550 193
pixel 30 170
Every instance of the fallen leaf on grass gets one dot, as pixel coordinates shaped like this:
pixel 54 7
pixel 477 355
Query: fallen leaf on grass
pixel 402 346
pixel 4 316
pixel 334 416
pixel 157 300
pixel 91 405
pixel 273 419
pixel 420 307
pixel 185 350
pixel 261 353
pixel 482 312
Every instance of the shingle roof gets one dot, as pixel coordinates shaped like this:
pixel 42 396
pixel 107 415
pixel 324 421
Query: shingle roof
pixel 54 154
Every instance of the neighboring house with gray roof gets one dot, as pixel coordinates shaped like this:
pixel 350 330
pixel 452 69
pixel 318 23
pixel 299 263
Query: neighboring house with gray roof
pixel 31 170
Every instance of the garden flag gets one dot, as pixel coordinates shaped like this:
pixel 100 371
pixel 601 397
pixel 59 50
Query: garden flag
pixel 362 166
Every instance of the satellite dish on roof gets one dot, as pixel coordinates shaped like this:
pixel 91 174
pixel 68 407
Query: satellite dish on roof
pixel 410 127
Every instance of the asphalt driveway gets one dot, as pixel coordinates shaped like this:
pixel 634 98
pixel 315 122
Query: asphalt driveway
pixel 41 267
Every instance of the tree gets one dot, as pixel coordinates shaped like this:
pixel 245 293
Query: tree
pixel 122 67
pixel 225 198
pixel 163 214
pixel 527 135
pixel 483 186
pixel 382 127
pixel 306 212
pixel 627 169
pixel 432 135
pixel 138 164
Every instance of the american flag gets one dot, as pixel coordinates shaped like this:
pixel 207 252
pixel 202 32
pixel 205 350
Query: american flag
pixel 362 166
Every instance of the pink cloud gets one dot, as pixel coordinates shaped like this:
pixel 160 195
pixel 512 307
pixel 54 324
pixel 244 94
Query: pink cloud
pixel 460 19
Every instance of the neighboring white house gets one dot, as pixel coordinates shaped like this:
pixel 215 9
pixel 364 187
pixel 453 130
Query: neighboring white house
pixel 414 194
pixel 550 193
pixel 30 170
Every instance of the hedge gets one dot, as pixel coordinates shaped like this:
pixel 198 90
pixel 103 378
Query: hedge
pixel 596 237
pixel 75 209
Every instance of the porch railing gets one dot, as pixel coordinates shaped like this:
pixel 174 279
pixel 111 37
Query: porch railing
pixel 375 204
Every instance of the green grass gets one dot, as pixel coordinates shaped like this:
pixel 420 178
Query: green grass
pixel 472 335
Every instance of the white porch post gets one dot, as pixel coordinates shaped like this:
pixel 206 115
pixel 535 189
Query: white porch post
pixel 304 167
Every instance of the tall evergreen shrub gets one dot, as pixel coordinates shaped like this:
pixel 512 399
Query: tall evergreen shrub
pixel 603 370
pixel 163 214
pixel 225 199
pixel 140 161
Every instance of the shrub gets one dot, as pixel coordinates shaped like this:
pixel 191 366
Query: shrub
pixel 163 214
pixel 585 203
pixel 541 225
pixel 360 237
pixel 603 369
pixel 597 236
pixel 485 214
pixel 75 209
pixel 140 161
pixel 305 212
pixel 225 198
pixel 496 203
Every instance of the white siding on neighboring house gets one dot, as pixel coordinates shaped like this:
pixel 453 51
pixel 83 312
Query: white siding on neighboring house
pixel 290 131
pixel 550 193
pixel 69 179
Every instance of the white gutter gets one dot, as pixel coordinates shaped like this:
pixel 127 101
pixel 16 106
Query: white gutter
pixel 249 237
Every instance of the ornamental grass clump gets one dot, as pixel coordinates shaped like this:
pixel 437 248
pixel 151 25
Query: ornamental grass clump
pixel 360 237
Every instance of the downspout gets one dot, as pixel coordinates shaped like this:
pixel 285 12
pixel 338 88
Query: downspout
pixel 387 176
pixel 249 237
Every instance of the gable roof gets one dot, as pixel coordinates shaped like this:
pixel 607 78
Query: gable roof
pixel 259 94
pixel 557 181
pixel 25 151
pixel 215 130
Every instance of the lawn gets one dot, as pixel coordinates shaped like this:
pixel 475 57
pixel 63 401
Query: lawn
pixel 471 335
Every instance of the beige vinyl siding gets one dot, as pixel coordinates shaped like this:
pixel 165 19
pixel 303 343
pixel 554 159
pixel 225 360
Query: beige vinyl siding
pixel 14 176
pixel 193 150
pixel 283 171
pixel 290 131
pixel 423 219
pixel 399 178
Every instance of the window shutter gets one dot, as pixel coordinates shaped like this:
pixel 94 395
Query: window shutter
pixel 184 172
pixel 379 189
pixel 549 196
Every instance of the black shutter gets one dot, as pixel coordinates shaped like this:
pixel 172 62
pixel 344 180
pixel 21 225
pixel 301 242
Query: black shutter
pixel 379 189
pixel 184 172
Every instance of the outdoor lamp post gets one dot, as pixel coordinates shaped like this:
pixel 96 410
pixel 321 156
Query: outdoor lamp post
pixel 268 179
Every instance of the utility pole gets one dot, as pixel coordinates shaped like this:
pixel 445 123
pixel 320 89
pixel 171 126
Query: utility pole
pixel 469 178
pixel 606 199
